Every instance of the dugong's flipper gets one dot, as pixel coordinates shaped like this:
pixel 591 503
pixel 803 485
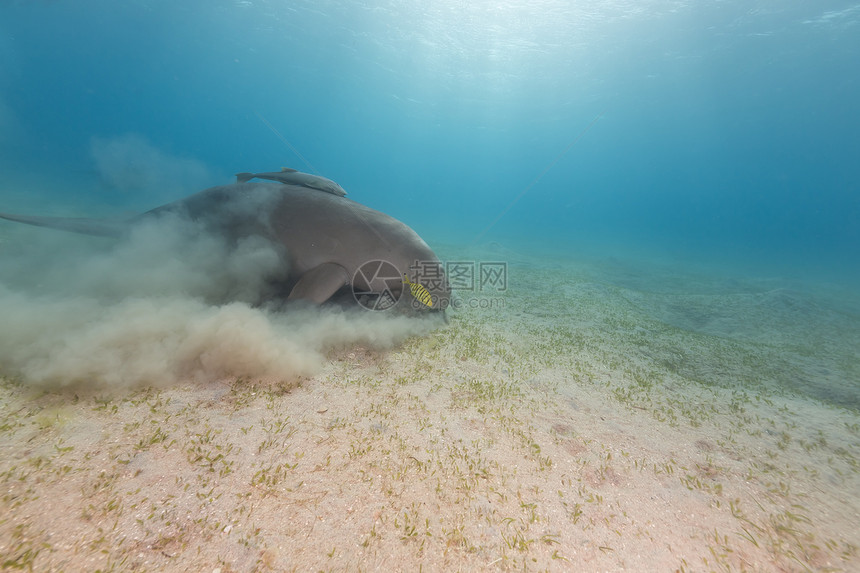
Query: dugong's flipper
pixel 320 283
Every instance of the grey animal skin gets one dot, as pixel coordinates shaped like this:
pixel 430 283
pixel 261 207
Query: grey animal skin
pixel 325 241
pixel 292 177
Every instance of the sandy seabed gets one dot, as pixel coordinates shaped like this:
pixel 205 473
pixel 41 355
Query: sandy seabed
pixel 595 416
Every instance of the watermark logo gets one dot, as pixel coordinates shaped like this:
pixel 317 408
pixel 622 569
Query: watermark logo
pixel 376 285
pixel 379 284
pixel 478 284
pixel 477 276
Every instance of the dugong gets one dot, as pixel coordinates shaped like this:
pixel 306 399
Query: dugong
pixel 328 244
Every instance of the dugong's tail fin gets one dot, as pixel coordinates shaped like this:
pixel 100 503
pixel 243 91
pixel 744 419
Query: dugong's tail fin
pixel 84 226
pixel 242 177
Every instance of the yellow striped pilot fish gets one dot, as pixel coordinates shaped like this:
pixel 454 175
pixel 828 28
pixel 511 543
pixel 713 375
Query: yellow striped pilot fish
pixel 420 293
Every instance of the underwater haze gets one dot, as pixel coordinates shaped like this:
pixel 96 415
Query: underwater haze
pixel 649 215
pixel 724 131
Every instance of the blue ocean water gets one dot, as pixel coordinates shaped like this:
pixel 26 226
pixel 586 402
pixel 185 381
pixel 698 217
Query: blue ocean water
pixel 674 186
pixel 708 129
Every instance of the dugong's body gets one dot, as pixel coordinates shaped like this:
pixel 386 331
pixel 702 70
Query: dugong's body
pixel 328 243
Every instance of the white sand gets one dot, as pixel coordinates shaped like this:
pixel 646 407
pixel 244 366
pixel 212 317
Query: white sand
pixel 603 419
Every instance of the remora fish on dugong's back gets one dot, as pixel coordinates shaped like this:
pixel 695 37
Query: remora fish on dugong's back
pixel 326 243
pixel 292 177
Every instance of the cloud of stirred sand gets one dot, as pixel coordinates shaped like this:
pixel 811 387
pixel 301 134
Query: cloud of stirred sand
pixel 167 304
pixel 131 164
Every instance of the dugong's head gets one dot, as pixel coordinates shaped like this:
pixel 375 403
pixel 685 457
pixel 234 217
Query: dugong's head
pixel 410 280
